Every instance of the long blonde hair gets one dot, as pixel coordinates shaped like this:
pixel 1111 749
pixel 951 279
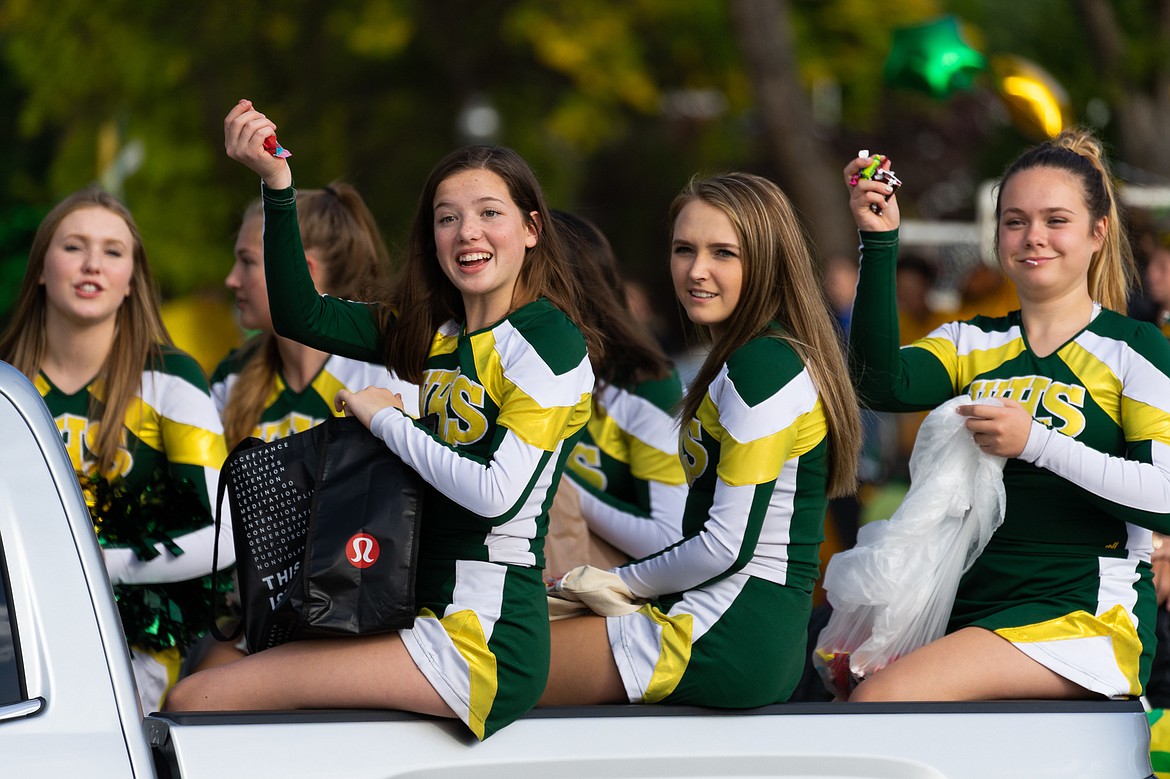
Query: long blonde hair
pixel 1112 270
pixel 780 285
pixel 139 333
pixel 338 228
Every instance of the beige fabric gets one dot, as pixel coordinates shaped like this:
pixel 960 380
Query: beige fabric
pixel 585 590
pixel 570 543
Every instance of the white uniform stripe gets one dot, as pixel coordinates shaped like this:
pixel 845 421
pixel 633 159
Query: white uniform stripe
pixel 749 423
pixel 634 642
pixel 641 419
pixel 179 400
pixel 968 338
pixel 511 541
pixel 1142 381
pixel 1118 575
pixel 357 375
pixel 440 662
pixel 524 367
pixel 221 390
pixel 771 558
pixel 479 587
pixel 708 605
pixel 1089 662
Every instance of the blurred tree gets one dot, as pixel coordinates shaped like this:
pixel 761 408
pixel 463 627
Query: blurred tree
pixel 1130 44
pixel 615 102
pixel 810 172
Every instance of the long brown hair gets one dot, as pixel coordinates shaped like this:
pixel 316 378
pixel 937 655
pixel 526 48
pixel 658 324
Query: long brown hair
pixel 139 333
pixel 1112 270
pixel 632 354
pixel 425 298
pixel 780 296
pixel 338 228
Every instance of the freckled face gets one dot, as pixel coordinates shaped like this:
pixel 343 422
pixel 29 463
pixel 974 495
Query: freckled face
pixel 89 267
pixel 481 237
pixel 706 265
pixel 246 278
pixel 1047 237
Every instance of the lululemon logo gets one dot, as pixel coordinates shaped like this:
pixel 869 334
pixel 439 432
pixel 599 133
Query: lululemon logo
pixel 362 550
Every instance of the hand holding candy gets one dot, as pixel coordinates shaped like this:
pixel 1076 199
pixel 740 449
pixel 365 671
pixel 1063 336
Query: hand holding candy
pixel 249 137
pixel 868 176
pixel 876 172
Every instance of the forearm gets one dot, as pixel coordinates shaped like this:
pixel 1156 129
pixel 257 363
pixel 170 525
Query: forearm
pixel 298 311
pixel 125 567
pixel 632 530
pixel 1138 492
pixel 490 488
pixel 716 551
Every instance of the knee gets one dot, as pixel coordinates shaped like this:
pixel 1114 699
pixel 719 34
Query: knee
pixel 185 696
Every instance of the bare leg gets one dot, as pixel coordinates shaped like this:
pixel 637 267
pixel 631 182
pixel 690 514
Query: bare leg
pixel 971 664
pixel 372 672
pixel 582 670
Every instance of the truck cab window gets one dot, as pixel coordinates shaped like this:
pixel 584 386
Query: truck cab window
pixel 10 687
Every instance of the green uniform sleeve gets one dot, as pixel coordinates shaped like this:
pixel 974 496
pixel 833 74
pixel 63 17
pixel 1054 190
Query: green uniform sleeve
pixel 887 377
pixel 336 326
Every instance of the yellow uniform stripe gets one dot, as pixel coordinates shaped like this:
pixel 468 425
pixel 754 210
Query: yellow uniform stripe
pixel 467 635
pixel 760 461
pixel 674 655
pixel 327 386
pixel 646 462
pixel 184 443
pixel 443 343
pixel 536 425
pixel 1115 624
pixel 1096 377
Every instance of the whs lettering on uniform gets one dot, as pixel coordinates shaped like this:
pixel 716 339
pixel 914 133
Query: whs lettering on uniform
pixel 458 401
pixel 1053 403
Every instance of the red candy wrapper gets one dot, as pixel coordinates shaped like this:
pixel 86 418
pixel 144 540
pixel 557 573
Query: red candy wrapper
pixel 273 147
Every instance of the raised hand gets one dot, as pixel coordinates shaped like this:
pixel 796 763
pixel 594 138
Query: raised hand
pixel 864 193
pixel 244 132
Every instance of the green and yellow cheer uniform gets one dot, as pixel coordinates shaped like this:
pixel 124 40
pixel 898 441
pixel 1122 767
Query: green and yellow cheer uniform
pixel 287 411
pixel 730 602
pixel 1066 578
pixel 512 399
pixel 172 432
pixel 632 483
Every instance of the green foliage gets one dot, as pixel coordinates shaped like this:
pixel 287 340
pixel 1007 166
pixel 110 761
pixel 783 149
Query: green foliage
pixel 614 102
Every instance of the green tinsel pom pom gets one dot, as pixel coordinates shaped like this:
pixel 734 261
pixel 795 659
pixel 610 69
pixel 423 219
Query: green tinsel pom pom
pixel 155 616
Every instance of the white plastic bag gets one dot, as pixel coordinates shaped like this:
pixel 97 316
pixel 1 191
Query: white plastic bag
pixel 893 591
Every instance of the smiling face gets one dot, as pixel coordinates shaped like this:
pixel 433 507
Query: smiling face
pixel 481 237
pixel 1046 235
pixel 246 278
pixel 89 265
pixel 706 265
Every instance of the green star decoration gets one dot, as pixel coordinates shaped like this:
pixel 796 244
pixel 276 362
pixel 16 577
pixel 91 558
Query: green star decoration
pixel 933 58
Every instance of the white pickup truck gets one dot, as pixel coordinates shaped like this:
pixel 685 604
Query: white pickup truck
pixel 68 706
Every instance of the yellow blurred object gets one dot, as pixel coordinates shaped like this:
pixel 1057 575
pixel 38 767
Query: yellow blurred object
pixel 203 324
pixel 1036 102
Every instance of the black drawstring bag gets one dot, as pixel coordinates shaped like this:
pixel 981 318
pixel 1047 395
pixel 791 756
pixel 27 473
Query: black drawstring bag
pixel 325 525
